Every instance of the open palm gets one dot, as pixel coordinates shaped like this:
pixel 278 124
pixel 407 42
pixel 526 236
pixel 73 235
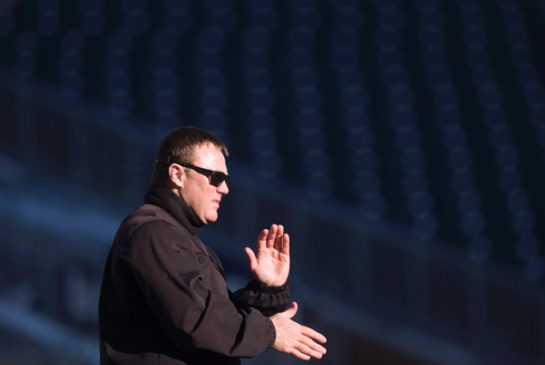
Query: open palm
pixel 271 266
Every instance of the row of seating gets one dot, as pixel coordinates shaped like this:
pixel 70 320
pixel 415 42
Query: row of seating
pixel 406 109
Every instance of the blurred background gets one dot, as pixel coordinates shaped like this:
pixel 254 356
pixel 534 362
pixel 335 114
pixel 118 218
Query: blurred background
pixel 401 143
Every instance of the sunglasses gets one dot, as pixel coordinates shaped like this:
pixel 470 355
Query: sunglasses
pixel 214 177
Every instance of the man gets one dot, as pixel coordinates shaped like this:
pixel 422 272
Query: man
pixel 164 299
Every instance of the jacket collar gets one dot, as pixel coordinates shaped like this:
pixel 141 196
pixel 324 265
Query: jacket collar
pixel 175 206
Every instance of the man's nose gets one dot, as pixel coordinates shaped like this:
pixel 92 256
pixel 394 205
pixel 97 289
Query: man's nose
pixel 223 188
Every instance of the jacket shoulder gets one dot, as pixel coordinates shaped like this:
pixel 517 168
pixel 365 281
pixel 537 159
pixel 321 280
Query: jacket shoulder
pixel 148 221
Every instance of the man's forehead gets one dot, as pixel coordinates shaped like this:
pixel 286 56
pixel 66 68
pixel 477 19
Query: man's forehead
pixel 206 148
pixel 208 153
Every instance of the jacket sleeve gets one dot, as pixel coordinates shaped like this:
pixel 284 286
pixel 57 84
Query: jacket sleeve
pixel 194 315
pixel 268 299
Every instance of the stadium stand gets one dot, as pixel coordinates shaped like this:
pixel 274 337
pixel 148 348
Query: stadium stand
pixel 409 134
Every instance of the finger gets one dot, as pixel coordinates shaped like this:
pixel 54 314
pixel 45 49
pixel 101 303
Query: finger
pixel 279 237
pixel 301 355
pixel 309 351
pixel 317 348
pixel 315 335
pixel 272 236
pixel 262 238
pixel 286 244
pixel 252 260
pixel 292 310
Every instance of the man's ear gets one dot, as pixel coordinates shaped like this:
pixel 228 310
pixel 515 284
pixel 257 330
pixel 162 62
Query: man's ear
pixel 176 175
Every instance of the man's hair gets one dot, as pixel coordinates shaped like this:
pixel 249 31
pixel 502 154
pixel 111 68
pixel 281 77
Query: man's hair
pixel 178 147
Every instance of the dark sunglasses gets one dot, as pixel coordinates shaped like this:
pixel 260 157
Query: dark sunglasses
pixel 214 177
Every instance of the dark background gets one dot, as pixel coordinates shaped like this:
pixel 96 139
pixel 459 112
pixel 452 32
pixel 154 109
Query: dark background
pixel 401 143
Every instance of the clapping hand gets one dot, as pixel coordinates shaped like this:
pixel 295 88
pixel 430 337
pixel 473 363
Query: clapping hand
pixel 295 339
pixel 271 266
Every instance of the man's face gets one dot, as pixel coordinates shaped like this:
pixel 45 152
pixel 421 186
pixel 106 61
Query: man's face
pixel 197 191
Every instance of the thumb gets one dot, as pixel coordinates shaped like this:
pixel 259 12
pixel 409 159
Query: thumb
pixel 252 261
pixel 292 310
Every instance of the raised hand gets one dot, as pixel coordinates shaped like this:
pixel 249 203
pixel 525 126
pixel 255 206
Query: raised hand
pixel 295 339
pixel 271 266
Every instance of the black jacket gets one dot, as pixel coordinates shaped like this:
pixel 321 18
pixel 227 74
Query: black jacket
pixel 164 299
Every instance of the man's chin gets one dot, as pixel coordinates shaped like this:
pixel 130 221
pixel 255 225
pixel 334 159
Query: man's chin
pixel 211 218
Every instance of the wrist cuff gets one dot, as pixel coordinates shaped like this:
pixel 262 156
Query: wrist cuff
pixel 256 285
